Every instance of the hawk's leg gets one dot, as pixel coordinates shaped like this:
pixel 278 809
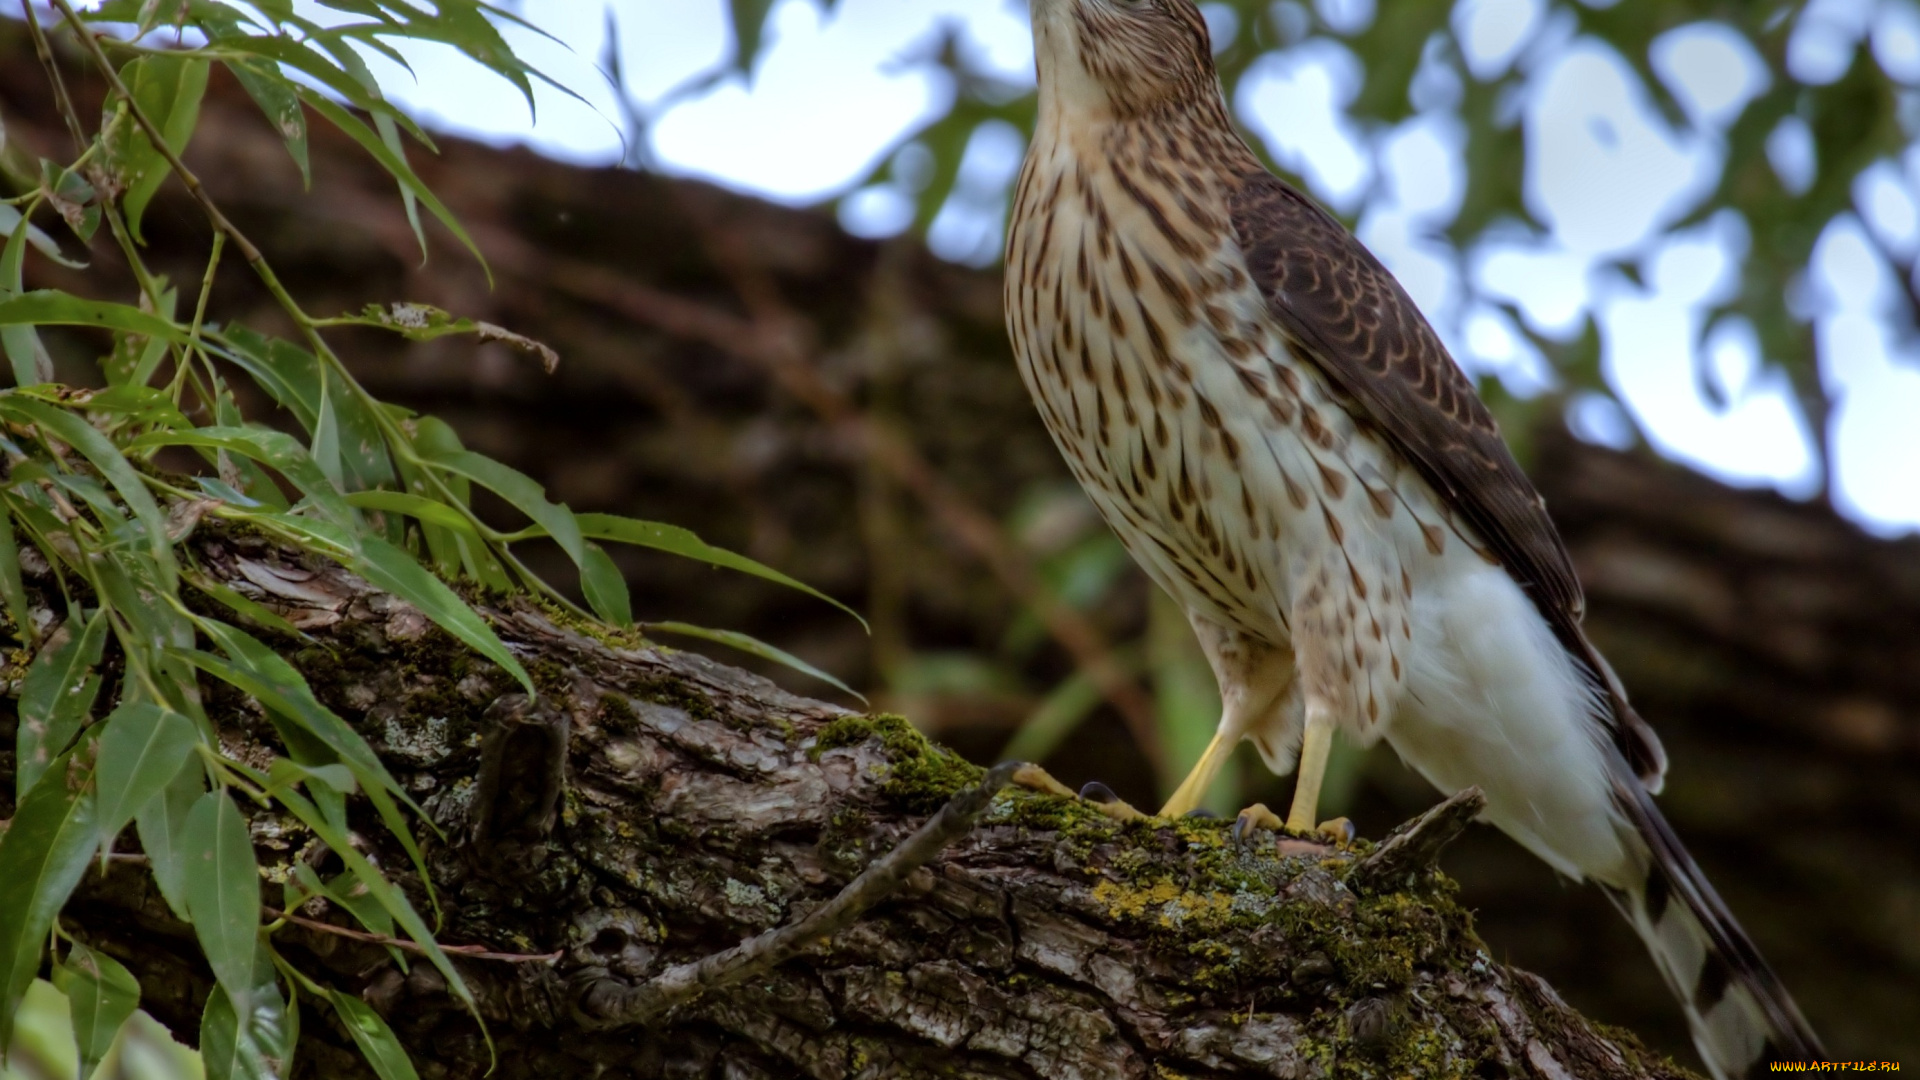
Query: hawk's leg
pixel 1304 817
pixel 1194 788
pixel 1097 795
pixel 1255 677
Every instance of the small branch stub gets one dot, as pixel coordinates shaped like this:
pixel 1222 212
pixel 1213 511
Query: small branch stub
pixel 1416 846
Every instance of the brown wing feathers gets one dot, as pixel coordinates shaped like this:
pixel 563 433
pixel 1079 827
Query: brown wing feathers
pixel 1346 314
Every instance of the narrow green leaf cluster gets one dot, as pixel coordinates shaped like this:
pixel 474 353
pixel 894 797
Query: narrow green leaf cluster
pixel 114 727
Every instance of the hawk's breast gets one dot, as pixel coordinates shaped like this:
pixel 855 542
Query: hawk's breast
pixel 1231 470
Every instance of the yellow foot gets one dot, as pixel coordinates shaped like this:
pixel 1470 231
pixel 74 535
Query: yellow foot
pixel 1253 818
pixel 1339 832
pixel 1096 794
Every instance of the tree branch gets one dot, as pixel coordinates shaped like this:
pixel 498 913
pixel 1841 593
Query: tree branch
pixel 1015 937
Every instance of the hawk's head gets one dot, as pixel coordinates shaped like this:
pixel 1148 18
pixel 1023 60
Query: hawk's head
pixel 1123 57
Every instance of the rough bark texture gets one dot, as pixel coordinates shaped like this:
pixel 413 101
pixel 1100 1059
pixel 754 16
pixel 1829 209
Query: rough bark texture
pixel 1775 647
pixel 702 805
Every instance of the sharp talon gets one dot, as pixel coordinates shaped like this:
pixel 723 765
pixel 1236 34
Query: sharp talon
pixel 1253 817
pixel 1203 813
pixel 1339 830
pixel 1102 798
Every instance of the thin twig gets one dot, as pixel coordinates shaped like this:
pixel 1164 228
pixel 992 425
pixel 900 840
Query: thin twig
pixel 606 1003
pixel 471 952
pixel 60 96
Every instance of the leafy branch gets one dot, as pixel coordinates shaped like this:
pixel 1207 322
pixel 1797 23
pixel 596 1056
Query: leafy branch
pixel 102 487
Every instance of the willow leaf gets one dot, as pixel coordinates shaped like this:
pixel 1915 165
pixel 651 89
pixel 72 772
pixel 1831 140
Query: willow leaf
pixel 43 855
pixel 396 166
pixel 101 995
pixel 392 569
pixel 56 697
pixel 223 893
pixel 143 746
pixel 678 541
pixel 375 1039
pixel 98 449
pixel 605 587
pixel 524 492
pixel 752 646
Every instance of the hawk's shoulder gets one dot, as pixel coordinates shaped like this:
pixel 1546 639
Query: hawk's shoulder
pixel 1347 315
pixel 1343 312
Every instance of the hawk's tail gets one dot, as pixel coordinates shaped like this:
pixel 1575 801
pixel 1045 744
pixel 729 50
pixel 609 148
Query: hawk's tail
pixel 1740 1014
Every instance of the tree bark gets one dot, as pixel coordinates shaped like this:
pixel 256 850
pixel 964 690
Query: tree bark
pixel 699 805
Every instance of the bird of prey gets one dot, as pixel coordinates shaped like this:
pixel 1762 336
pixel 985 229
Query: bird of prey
pixel 1282 442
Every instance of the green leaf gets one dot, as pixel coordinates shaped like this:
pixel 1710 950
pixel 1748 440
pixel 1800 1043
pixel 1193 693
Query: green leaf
pixel 749 24
pixel 288 373
pixel 263 674
pixel 143 746
pixel 375 1039
pixel 163 827
pixel 453 551
pixel 101 995
pixel 244 607
pixel 752 646
pixel 11 586
pixel 168 90
pixel 605 587
pixel 345 889
pixel 298 380
pixel 390 137
pixel 42 857
pixel 395 165
pixel 56 697
pixel 677 541
pixel 392 569
pixel 83 437
pixel 275 449
pixel 11 218
pixel 25 354
pixel 51 307
pixel 399 502
pixel 223 893
pixel 263 1048
pixel 267 85
pixel 525 493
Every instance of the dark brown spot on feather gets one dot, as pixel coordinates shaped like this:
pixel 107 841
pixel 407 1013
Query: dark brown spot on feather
pixel 1296 494
pixel 1436 538
pixel 1332 479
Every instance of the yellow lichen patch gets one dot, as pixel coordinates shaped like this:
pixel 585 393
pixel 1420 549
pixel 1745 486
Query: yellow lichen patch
pixel 1166 904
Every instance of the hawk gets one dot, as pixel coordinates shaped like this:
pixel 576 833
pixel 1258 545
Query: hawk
pixel 1285 446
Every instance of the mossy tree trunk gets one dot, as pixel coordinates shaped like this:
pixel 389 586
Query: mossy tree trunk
pixel 652 808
